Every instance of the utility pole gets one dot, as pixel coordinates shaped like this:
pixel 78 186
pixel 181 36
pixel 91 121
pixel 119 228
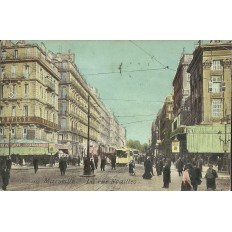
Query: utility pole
pixel 88 138
pixel 87 168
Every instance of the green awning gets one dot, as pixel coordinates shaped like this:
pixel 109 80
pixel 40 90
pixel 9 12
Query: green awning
pixel 25 147
pixel 205 138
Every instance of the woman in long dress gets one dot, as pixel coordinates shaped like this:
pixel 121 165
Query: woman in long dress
pixel 186 182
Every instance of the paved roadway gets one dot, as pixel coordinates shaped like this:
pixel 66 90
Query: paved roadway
pixel 49 179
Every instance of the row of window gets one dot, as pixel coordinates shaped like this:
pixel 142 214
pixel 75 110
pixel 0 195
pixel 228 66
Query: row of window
pixel 13 111
pixel 13 91
pixel 13 131
pixel 26 114
pixel 26 71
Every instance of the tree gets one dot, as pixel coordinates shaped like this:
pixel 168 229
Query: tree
pixel 135 144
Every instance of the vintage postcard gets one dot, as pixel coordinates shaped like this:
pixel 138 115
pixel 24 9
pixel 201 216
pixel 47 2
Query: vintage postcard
pixel 128 115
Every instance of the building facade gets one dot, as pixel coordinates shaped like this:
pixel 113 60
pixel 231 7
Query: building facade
pixel 29 99
pixel 210 98
pixel 205 115
pixel 161 129
pixel 181 107
pixel 75 99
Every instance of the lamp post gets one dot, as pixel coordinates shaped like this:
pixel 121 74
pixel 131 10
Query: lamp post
pixel 225 145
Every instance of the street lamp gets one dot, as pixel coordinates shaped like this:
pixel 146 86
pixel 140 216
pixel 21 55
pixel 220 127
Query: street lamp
pixel 225 145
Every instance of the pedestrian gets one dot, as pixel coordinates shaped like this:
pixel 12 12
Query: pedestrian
pixel 147 166
pixel 132 168
pixel 8 163
pixel 103 163
pixel 78 160
pixel 180 166
pixel 159 166
pixel 186 182
pixel 195 176
pixel 200 164
pixel 5 173
pixel 219 163
pixel 92 166
pixel 113 161
pixel 36 164
pixel 152 163
pixel 62 166
pixel 166 175
pixel 211 176
pixel 173 159
pixel 95 158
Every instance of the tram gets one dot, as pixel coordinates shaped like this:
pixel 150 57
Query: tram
pixel 123 156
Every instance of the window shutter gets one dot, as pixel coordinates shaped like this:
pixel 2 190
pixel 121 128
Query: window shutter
pixel 210 87
pixel 223 86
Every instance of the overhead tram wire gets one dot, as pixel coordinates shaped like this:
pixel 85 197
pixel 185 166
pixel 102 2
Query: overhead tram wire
pixel 129 116
pixel 126 71
pixel 118 99
pixel 137 122
pixel 151 56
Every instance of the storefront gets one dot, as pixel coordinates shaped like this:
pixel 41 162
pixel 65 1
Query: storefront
pixel 24 151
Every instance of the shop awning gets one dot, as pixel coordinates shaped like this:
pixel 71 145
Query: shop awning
pixel 205 138
pixel 25 147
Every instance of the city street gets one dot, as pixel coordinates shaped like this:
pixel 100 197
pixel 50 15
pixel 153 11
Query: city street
pixel 49 179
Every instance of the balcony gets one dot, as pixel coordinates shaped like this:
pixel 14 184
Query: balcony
pixel 51 86
pixel 83 120
pixel 83 134
pixel 28 120
pixel 12 78
pixel 50 105
pixel 216 72
pixel 216 95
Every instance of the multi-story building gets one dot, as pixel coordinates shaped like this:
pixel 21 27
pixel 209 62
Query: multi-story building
pixel 114 132
pixel 161 141
pixel 155 135
pixel 28 99
pixel 122 136
pixel 77 102
pixel 181 86
pixel 210 98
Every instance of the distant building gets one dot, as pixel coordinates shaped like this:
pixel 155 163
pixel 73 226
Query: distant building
pixel 161 129
pixel 181 107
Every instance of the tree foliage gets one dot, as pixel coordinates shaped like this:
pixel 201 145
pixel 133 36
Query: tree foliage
pixel 135 144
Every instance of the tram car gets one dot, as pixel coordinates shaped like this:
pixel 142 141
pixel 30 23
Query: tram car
pixel 123 156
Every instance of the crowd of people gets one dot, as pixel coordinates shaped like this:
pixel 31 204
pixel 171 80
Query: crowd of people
pixel 190 169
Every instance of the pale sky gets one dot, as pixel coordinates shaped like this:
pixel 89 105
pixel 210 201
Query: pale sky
pixel 143 92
